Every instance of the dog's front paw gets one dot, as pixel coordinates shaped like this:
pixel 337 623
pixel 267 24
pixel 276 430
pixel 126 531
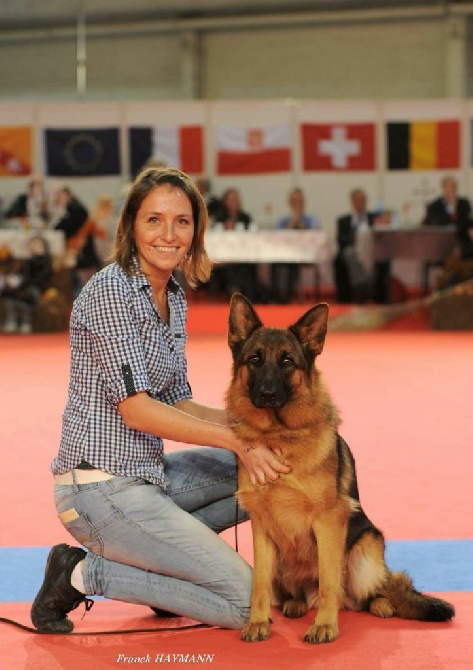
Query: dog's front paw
pixel 294 609
pixel 321 633
pixel 256 632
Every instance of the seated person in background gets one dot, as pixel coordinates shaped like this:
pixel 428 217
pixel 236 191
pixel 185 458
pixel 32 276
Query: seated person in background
pixel 69 213
pixel 24 284
pixel 449 208
pixel 102 225
pixel 212 203
pixel 31 207
pixel 353 266
pixel 235 277
pixel 452 209
pixel 285 276
pixel 71 216
pixel 231 216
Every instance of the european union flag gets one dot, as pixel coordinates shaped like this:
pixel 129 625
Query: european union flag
pixel 82 152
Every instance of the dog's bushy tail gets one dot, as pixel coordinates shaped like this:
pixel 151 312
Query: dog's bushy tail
pixel 408 603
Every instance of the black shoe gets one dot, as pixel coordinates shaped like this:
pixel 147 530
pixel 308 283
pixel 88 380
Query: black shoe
pixel 164 614
pixel 57 596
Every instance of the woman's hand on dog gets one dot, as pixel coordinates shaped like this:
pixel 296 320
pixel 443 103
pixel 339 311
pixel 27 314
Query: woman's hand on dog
pixel 262 464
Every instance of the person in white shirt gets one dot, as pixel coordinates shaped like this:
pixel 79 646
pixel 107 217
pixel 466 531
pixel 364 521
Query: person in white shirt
pixel 356 279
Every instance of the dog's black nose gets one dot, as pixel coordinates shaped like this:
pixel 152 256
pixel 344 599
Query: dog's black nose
pixel 268 397
pixel 268 394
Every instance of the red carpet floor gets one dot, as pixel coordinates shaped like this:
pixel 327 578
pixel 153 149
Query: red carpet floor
pixel 405 397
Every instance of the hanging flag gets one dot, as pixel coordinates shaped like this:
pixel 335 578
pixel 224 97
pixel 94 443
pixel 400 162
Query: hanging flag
pixel 82 152
pixel 423 145
pixel 338 146
pixel 16 154
pixel 254 150
pixel 177 146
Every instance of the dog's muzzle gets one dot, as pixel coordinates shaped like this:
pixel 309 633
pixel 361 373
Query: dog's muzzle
pixel 268 397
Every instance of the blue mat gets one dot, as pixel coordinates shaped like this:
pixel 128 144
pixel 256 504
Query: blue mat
pixel 435 566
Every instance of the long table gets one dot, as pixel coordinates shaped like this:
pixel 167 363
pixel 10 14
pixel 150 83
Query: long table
pixel 268 246
pixel 428 245
pixel 311 248
pixel 17 241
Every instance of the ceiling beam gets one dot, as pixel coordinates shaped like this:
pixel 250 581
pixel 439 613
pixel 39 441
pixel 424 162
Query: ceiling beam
pixel 227 23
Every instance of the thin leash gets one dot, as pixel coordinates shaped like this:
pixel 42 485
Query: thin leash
pixel 124 631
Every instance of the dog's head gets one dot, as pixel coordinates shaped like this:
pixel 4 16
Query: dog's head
pixel 273 361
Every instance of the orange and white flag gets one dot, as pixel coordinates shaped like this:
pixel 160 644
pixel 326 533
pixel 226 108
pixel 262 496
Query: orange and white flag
pixel 16 151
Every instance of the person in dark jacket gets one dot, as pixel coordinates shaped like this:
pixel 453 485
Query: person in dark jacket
pixel 31 206
pixel 72 218
pixel 450 209
pixel 212 203
pixel 236 277
pixel 353 280
pixel 70 214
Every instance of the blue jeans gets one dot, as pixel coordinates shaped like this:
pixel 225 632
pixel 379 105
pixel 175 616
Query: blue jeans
pixel 159 548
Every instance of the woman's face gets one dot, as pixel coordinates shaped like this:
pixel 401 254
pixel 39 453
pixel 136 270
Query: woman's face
pixel 296 201
pixel 232 201
pixel 163 230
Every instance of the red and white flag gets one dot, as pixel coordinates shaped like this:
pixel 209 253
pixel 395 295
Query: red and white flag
pixel 178 146
pixel 338 146
pixel 254 150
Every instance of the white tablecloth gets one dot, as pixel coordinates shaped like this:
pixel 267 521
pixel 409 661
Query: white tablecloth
pixel 268 246
pixel 17 241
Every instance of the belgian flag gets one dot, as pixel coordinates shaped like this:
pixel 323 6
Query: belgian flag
pixel 423 145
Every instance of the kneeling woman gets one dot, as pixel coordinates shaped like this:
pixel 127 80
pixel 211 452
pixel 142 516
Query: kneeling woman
pixel 149 520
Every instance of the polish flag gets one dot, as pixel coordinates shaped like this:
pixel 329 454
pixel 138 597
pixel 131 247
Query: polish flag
pixel 338 146
pixel 178 146
pixel 254 150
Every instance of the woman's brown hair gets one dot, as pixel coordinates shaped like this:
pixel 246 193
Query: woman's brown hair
pixel 196 266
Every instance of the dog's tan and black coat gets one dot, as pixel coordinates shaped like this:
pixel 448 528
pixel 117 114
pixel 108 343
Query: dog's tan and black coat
pixel 314 547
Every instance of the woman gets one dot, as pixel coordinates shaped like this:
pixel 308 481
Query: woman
pixel 231 215
pixel 236 277
pixel 148 519
pixel 285 277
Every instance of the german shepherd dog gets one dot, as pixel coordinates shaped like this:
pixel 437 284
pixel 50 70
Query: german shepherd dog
pixel 314 547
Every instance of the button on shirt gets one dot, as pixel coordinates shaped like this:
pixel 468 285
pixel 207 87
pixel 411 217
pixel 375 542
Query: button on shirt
pixel 120 346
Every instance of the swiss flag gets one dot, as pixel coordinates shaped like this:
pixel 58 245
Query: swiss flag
pixel 178 146
pixel 338 146
pixel 255 150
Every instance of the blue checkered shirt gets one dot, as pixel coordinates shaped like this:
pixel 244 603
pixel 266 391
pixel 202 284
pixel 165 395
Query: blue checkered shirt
pixel 119 347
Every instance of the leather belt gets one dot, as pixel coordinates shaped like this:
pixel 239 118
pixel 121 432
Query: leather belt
pixel 82 477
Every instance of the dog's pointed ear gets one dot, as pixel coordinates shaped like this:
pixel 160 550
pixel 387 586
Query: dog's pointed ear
pixel 242 320
pixel 311 329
